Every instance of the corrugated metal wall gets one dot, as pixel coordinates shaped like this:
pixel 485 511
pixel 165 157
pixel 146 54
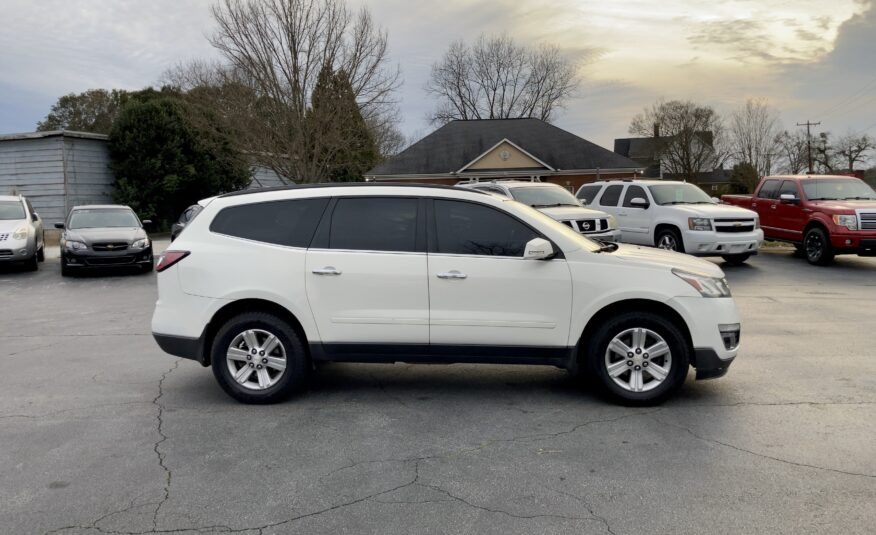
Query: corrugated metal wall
pixel 37 167
pixel 262 177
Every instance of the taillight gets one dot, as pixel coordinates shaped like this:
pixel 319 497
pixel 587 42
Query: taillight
pixel 169 258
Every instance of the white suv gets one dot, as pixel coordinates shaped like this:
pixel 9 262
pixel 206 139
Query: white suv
pixel 555 201
pixel 263 284
pixel 677 216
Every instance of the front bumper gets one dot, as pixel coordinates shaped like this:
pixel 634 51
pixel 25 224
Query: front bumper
pixel 854 242
pixel 703 316
pixel 613 236
pixel 103 259
pixel 17 250
pixel 711 243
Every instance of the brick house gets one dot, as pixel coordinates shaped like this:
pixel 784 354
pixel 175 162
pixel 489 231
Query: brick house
pixel 504 148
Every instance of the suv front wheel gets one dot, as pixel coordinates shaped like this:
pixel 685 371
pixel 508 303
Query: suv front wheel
pixel 637 358
pixel 259 358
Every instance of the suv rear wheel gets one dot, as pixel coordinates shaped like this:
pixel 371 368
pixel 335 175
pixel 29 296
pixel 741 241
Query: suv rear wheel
pixel 637 358
pixel 259 358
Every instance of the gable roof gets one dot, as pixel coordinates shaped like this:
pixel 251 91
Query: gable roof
pixel 457 143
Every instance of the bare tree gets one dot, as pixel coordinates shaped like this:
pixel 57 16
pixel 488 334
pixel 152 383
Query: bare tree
pixel 277 49
pixel 497 78
pixel 793 152
pixel 691 137
pixel 824 154
pixel 754 135
pixel 854 148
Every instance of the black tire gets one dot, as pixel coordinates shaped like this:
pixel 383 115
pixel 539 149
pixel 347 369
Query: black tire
pixel 736 259
pixel 41 254
pixel 294 378
pixel 817 247
pixel 669 236
pixel 33 263
pixel 66 270
pixel 594 357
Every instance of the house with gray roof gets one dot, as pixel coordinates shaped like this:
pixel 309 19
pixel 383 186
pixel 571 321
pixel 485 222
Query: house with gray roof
pixel 504 148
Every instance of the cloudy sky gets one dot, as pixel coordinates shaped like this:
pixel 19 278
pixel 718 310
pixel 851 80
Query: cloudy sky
pixel 810 58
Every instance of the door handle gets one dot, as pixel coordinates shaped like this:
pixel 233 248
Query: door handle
pixel 328 270
pixel 754 205
pixel 453 274
pixel 773 206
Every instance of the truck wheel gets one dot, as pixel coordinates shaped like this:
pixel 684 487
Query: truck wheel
pixel 41 254
pixel 736 259
pixel 637 358
pixel 259 358
pixel 670 240
pixel 817 247
pixel 33 263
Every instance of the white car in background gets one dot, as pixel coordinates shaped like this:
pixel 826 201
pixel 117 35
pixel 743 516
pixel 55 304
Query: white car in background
pixel 556 202
pixel 21 232
pixel 677 216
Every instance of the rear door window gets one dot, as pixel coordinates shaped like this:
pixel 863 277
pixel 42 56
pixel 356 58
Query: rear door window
pixel 611 195
pixel 769 190
pixel 375 224
pixel 290 222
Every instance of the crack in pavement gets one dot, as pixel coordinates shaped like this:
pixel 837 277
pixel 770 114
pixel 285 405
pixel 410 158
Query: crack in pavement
pixel 34 348
pixel 588 506
pixel 764 456
pixel 161 456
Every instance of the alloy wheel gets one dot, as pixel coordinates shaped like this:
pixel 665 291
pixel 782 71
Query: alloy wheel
pixel 814 246
pixel 668 242
pixel 638 360
pixel 256 359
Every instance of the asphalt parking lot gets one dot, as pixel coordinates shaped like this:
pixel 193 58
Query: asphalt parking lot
pixel 100 432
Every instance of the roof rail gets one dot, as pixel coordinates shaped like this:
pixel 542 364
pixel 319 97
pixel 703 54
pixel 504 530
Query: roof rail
pixel 340 185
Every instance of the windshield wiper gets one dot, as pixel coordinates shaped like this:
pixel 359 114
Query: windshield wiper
pixel 822 199
pixel 676 202
pixel 858 198
pixel 554 205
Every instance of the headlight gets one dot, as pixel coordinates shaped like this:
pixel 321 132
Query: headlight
pixel 699 223
pixel 20 233
pixel 707 286
pixel 141 244
pixel 612 222
pixel 848 221
pixel 756 223
pixel 76 246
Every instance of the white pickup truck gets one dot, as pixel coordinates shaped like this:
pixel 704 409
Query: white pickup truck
pixel 677 216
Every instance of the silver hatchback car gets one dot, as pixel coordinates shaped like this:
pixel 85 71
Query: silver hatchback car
pixel 21 232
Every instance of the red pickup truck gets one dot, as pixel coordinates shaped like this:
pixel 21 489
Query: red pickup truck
pixel 822 215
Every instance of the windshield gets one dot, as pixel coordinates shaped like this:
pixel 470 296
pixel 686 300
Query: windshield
pixel 584 242
pixel 542 196
pixel 103 218
pixel 837 190
pixel 679 194
pixel 11 210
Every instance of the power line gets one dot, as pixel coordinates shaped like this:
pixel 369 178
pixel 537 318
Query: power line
pixel 848 100
pixel 808 124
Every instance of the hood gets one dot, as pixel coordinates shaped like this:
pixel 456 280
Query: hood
pixel 93 235
pixel 565 213
pixel 660 258
pixel 9 225
pixel 845 206
pixel 713 210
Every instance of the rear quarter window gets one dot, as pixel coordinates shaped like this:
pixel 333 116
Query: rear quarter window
pixel 289 222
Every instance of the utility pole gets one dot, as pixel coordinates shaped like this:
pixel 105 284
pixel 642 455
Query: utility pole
pixel 807 124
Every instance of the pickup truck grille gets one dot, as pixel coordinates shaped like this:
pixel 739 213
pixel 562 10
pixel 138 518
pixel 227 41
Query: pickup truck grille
pixel 734 225
pixel 868 220
pixel 110 246
pixel 587 226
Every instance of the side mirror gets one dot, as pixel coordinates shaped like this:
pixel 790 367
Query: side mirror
pixel 59 225
pixel 639 202
pixel 538 249
pixel 34 217
pixel 147 222
pixel 788 198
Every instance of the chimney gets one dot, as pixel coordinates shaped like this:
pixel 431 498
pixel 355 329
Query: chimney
pixel 656 129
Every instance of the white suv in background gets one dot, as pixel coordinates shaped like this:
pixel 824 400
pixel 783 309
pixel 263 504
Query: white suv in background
pixel 556 202
pixel 264 283
pixel 677 216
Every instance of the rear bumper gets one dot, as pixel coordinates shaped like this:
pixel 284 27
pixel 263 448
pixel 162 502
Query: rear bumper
pixel 710 243
pixel 181 346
